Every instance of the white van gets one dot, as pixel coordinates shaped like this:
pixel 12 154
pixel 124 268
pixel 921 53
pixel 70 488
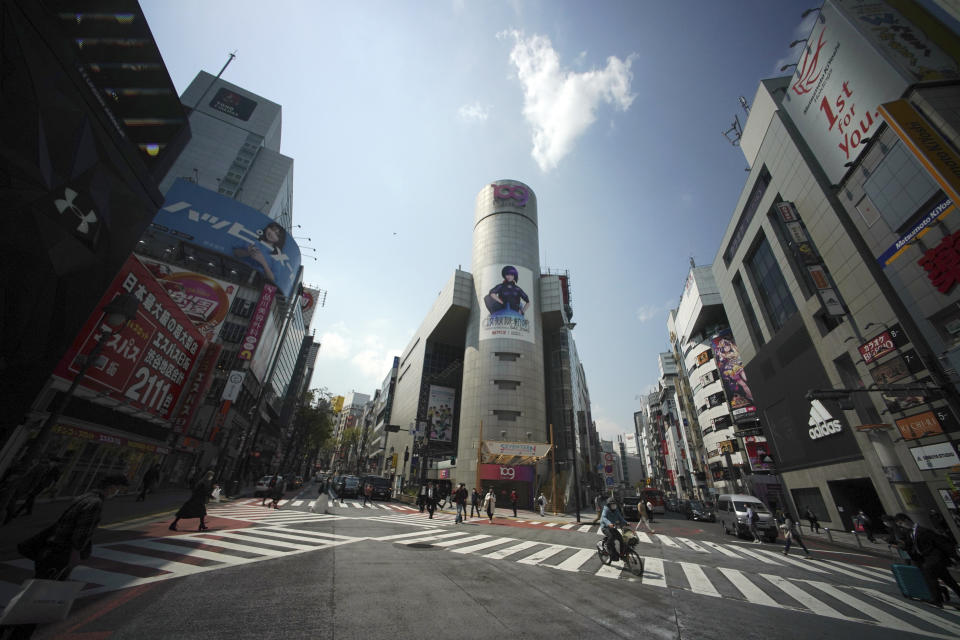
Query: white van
pixel 732 514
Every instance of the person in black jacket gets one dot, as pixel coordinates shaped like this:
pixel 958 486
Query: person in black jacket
pixel 196 505
pixel 931 552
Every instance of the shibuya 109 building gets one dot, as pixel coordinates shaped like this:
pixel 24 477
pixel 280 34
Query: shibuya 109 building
pixel 492 378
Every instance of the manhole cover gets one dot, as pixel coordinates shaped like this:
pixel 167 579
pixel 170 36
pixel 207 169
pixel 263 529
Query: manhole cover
pixel 420 545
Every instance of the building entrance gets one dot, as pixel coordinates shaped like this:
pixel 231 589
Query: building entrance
pixel 852 495
pixel 502 489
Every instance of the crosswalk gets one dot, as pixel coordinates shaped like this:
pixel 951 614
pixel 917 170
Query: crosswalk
pixel 138 561
pixel 851 601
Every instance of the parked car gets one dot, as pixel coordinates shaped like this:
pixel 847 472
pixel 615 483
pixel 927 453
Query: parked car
pixel 631 508
pixel 381 487
pixel 732 511
pixel 696 510
pixel 262 487
pixel 295 483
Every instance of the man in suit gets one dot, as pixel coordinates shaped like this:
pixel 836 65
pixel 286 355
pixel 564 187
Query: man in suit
pixel 932 553
pixel 431 498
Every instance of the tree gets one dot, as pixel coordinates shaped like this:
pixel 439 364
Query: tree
pixel 312 426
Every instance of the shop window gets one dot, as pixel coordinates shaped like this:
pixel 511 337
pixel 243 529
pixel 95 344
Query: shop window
pixel 812 499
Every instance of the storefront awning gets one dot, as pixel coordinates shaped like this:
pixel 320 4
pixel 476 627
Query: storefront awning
pixel 513 453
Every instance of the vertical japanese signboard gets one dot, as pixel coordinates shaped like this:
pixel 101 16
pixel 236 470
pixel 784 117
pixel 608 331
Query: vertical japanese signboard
pixel 146 364
pixel 258 321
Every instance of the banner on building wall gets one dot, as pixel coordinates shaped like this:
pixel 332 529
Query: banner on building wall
pixel 205 300
pixel 146 364
pixel 308 304
pixel 440 413
pixel 258 323
pixel 508 308
pixel 221 224
pixel 518 473
pixel 734 377
pixel 197 390
pixel 758 453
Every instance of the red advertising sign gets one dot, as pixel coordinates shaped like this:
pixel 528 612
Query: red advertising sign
pixel 880 345
pixel 199 385
pixel 257 322
pixel 145 364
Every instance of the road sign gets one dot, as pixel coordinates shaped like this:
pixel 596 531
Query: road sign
pixel 608 457
pixel 610 481
pixel 608 469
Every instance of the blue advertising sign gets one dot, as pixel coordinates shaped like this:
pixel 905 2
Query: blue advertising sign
pixel 222 224
pixel 938 212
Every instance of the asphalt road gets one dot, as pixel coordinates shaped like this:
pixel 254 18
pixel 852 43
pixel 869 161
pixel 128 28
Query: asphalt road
pixel 389 572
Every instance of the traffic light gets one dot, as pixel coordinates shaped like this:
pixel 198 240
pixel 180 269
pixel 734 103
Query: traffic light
pixel 453 460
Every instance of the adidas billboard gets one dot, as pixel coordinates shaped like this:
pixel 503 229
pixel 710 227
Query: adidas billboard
pixel 821 423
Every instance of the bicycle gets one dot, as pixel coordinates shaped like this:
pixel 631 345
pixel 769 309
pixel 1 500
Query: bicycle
pixel 632 561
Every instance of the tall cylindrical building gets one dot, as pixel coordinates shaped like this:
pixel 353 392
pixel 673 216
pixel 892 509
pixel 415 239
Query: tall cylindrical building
pixel 503 369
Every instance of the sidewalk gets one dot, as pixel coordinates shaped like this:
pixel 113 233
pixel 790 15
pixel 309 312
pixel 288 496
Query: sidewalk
pixel 116 510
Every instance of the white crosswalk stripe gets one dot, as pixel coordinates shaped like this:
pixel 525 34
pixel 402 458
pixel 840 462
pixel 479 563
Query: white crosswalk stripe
pixel 693 545
pixel 699 583
pixel 808 601
pixel 749 591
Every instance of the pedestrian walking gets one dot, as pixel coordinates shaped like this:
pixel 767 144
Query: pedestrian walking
pixel 9 487
pixel 367 494
pixel 59 548
pixel 460 499
pixel 933 553
pixel 150 480
pixel 753 520
pixel 196 504
pixel 276 493
pixel 271 486
pixel 791 535
pixel 649 507
pixel 490 504
pixel 21 485
pixel 342 489
pixel 422 498
pixel 475 500
pixel 514 499
pixel 863 524
pixel 332 489
pixel 44 476
pixel 430 499
pixel 812 519
pixel 542 503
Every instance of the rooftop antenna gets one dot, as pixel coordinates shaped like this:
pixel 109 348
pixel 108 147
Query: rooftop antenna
pixel 735 132
pixel 232 55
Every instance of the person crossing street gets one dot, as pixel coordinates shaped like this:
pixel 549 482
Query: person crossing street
pixel 460 499
pixel 475 499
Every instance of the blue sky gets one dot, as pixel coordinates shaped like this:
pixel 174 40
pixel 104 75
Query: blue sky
pixel 398 113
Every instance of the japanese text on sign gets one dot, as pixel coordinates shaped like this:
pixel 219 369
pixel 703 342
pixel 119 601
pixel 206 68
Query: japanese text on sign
pixel 879 346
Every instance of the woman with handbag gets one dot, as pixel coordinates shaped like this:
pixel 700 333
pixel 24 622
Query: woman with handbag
pixel 490 504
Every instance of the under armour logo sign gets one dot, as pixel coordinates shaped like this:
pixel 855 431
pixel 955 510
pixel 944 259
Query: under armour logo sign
pixel 86 219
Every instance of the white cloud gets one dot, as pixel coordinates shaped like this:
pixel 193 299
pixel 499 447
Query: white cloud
pixel 801 32
pixel 650 311
pixel 473 112
pixel 609 429
pixel 561 104
pixel 367 354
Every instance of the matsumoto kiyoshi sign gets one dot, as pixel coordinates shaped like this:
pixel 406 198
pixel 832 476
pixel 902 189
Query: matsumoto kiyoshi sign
pixel 223 225
pixel 530 449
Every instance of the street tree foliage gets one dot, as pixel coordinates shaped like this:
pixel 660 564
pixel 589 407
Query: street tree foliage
pixel 313 422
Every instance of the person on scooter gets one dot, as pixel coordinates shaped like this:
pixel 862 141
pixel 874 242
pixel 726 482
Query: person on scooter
pixel 611 536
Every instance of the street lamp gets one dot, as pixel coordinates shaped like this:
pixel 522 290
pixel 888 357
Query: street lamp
pixel 117 313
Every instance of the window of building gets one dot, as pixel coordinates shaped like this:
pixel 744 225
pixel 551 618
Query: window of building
pixel 746 216
pixel 505 415
pixel 812 499
pixel 507 385
pixel 753 324
pixel 506 356
pixel 826 322
pixel 771 286
pixel 899 186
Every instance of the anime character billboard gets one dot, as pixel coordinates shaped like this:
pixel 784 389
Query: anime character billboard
pixel 727 355
pixel 508 303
